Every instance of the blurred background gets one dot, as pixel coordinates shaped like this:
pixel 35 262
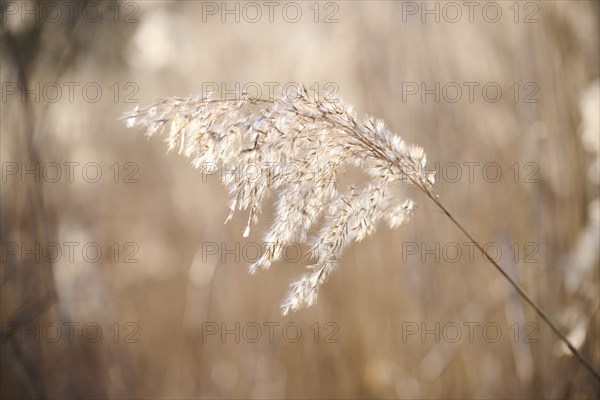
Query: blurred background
pixel 120 280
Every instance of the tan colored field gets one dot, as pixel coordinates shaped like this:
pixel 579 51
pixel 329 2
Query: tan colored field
pixel 120 280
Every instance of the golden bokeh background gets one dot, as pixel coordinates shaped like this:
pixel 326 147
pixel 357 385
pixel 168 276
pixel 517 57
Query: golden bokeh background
pixel 157 315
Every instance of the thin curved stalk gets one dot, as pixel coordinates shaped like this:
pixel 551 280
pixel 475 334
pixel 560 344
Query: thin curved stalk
pixel 538 310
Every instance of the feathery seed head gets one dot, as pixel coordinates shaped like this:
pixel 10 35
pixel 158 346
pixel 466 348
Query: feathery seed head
pixel 309 133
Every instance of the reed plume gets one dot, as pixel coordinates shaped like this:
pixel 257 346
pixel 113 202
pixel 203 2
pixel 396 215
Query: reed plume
pixel 318 138
pixel 315 135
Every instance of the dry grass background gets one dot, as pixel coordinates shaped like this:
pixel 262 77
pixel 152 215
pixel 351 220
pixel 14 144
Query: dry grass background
pixel 170 212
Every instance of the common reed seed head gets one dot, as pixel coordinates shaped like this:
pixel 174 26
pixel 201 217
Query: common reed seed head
pixel 319 136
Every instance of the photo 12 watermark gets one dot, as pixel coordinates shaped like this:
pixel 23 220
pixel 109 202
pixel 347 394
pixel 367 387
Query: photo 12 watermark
pixel 269 90
pixel 467 252
pixel 70 332
pixel 252 12
pixel 452 12
pixel 70 92
pixel 275 173
pixel 469 92
pixel 70 252
pixel 54 12
pixel 69 172
pixel 485 171
pixel 467 332
pixel 269 332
